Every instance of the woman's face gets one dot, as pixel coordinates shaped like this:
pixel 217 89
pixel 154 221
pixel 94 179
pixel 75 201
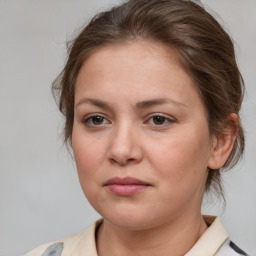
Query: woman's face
pixel 140 136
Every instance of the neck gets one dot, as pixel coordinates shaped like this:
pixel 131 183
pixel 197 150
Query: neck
pixel 176 238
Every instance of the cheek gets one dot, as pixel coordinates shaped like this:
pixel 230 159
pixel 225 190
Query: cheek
pixel 181 157
pixel 89 153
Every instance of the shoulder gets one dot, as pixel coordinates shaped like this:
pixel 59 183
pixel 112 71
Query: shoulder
pixel 71 245
pixel 56 248
pixel 229 248
pixel 215 241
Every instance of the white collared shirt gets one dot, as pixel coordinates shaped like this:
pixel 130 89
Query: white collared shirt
pixel 214 241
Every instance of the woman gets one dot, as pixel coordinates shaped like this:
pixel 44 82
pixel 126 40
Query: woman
pixel 151 93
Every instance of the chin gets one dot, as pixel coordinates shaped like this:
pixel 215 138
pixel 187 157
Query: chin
pixel 127 218
pixel 129 223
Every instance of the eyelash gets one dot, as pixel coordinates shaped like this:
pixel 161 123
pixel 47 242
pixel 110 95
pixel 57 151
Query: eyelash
pixel 88 120
pixel 167 120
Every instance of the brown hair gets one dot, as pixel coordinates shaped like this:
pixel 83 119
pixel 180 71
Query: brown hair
pixel 205 50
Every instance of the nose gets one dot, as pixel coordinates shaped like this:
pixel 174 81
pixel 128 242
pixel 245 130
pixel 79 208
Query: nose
pixel 124 146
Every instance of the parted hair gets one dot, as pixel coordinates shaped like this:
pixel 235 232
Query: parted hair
pixel 204 48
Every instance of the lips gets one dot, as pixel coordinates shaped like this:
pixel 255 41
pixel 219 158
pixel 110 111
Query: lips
pixel 125 186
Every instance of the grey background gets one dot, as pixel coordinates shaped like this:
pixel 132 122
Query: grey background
pixel 40 196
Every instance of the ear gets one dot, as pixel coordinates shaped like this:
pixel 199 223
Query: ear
pixel 223 143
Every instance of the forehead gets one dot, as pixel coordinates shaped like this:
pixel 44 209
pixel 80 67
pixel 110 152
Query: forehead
pixel 139 55
pixel 133 52
pixel 135 68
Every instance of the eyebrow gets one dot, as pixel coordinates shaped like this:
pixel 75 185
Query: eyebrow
pixel 155 102
pixel 95 102
pixel 139 105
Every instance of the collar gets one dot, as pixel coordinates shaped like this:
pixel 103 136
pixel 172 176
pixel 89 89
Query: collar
pixel 207 245
pixel 211 240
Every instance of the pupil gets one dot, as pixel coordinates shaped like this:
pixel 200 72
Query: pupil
pixel 97 119
pixel 158 119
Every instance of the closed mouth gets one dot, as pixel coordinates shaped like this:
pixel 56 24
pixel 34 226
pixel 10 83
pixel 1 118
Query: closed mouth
pixel 127 186
pixel 125 181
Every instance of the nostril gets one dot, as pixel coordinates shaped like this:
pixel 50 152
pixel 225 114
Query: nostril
pixel 123 161
pixel 130 160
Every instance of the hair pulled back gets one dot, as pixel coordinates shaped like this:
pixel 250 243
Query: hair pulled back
pixel 205 51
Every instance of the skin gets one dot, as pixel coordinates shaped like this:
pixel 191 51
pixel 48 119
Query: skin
pixel 172 156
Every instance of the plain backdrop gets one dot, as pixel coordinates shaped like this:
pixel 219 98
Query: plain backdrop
pixel 40 195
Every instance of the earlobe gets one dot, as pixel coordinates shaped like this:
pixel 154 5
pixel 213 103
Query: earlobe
pixel 223 143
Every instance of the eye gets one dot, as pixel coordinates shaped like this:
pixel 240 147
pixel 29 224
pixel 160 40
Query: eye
pixel 95 120
pixel 159 120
